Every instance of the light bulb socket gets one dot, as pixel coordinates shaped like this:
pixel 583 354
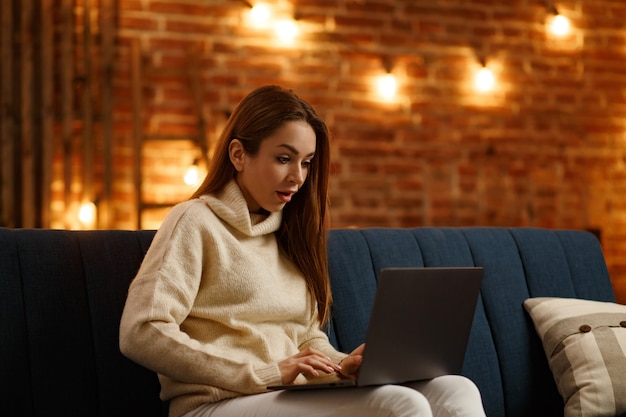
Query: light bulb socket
pixel 387 62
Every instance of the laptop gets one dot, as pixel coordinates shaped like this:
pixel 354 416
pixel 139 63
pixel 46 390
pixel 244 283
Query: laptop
pixel 419 327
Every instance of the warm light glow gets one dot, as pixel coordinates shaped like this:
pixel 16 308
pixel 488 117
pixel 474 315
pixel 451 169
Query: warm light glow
pixel 386 86
pixel 87 214
pixel 286 30
pixel 559 25
pixel 260 15
pixel 192 175
pixel 484 81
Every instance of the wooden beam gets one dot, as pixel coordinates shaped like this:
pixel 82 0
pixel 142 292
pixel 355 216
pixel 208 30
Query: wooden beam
pixel 47 114
pixel 87 109
pixel 66 66
pixel 197 90
pixel 107 32
pixel 35 176
pixel 137 92
pixel 7 119
pixel 26 109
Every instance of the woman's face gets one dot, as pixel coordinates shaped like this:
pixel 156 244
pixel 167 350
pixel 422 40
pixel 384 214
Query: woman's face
pixel 270 178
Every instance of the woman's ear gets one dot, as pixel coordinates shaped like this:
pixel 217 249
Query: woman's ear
pixel 237 154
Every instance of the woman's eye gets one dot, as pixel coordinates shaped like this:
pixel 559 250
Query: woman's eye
pixel 283 159
pixel 306 164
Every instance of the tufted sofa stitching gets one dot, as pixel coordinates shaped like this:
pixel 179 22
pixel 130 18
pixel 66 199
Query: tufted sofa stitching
pixel 585 259
pixel 351 273
pixel 537 279
pixel 484 382
pixel 15 328
pixel 57 320
pixel 495 250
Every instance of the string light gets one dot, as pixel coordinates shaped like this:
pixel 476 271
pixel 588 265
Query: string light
pixel 192 175
pixel 484 80
pixel 559 25
pixel 386 86
pixel 87 214
pixel 286 30
pixel 260 15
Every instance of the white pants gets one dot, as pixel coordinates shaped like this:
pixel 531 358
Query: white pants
pixel 446 396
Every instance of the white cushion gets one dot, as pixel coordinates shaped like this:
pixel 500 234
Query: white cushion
pixel 585 343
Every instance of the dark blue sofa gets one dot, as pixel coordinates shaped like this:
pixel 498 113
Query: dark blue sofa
pixel 62 293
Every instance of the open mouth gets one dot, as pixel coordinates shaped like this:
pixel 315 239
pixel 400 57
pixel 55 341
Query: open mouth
pixel 285 196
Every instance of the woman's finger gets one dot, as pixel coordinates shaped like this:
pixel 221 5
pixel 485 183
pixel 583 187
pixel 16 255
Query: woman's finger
pixel 306 362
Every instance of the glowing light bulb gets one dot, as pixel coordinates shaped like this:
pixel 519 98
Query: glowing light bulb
pixel 484 81
pixel 260 15
pixel 386 86
pixel 286 30
pixel 192 175
pixel 560 25
pixel 87 213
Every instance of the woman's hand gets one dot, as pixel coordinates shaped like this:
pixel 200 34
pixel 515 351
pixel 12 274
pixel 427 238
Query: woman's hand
pixel 351 364
pixel 307 362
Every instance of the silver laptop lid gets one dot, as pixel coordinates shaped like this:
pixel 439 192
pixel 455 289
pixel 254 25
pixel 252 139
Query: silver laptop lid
pixel 420 324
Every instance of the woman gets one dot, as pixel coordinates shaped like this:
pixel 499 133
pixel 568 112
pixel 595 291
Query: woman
pixel 234 289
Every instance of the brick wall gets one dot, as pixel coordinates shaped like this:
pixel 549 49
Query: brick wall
pixel 545 148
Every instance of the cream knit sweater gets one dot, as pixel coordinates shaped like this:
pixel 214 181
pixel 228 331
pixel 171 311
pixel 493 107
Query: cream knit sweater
pixel 215 305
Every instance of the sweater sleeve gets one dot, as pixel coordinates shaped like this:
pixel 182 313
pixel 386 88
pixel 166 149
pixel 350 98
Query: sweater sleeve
pixel 316 338
pixel 161 297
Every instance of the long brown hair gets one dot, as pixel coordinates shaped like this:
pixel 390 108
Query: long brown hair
pixel 302 234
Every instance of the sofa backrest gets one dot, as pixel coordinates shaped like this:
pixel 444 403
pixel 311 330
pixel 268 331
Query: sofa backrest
pixel 61 298
pixel 504 357
pixel 62 294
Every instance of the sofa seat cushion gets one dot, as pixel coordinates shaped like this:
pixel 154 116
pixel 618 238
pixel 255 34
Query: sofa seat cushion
pixel 585 344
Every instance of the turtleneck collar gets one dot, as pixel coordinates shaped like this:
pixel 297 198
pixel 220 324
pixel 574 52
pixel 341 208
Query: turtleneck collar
pixel 230 206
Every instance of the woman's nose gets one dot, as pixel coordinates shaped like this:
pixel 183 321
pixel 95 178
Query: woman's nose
pixel 297 175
